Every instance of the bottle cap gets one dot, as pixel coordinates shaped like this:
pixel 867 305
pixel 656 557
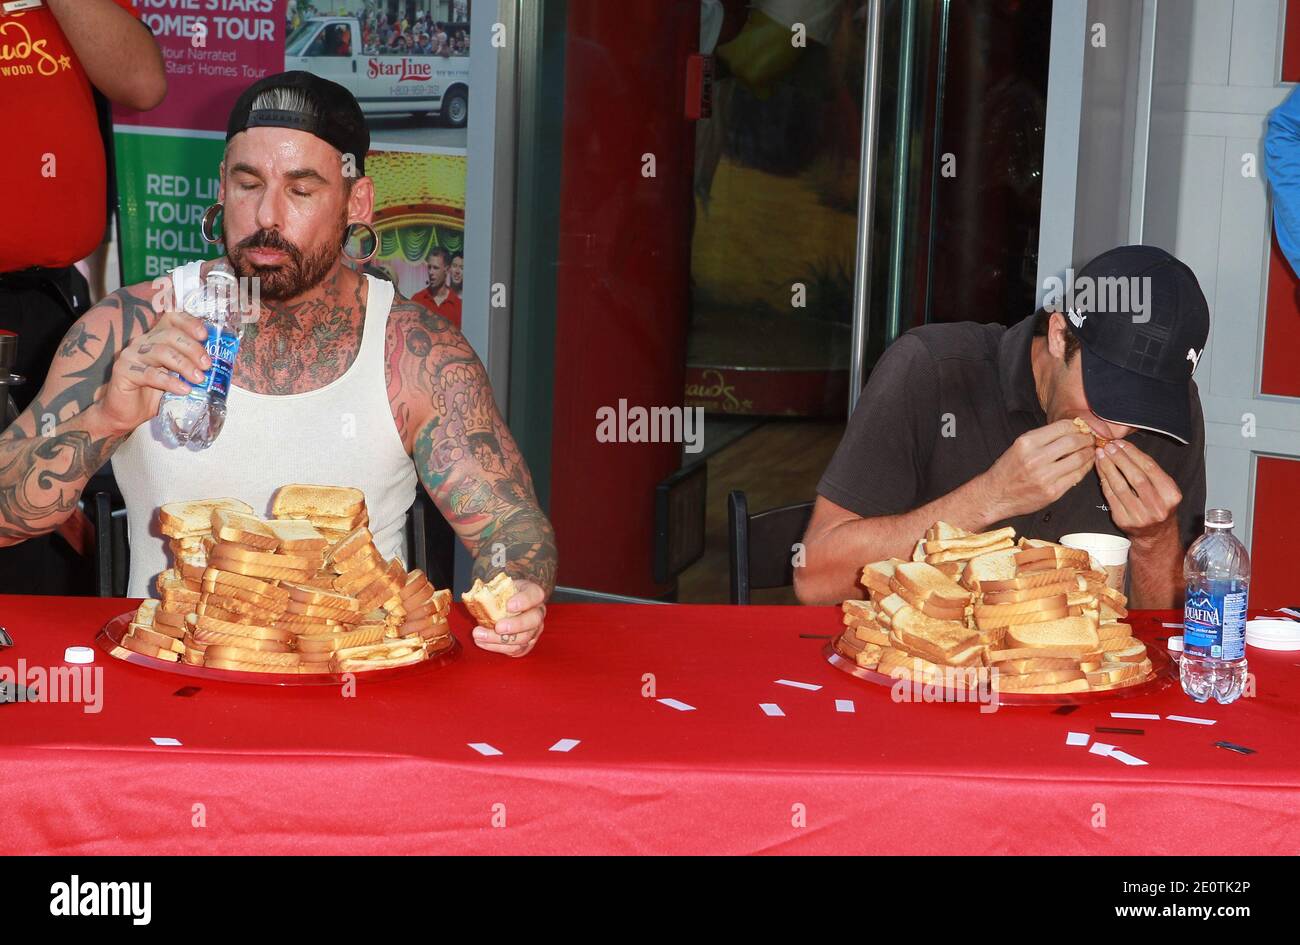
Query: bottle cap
pixel 78 654
pixel 1175 644
pixel 1218 518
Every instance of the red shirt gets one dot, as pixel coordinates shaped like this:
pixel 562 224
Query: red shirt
pixel 52 161
pixel 449 309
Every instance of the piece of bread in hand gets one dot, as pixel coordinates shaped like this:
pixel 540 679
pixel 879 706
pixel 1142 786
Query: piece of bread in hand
pixel 1100 442
pixel 488 603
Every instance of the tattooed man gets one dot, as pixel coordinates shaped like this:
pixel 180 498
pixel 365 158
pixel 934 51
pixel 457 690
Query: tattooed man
pixel 338 379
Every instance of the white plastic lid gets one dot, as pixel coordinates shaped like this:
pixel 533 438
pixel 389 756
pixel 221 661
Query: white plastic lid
pixel 78 654
pixel 1273 634
pixel 1176 644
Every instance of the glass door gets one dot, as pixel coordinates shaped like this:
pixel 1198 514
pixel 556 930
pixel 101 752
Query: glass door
pixel 717 264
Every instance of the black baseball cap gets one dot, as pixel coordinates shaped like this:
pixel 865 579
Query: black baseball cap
pixel 1142 321
pixel 304 101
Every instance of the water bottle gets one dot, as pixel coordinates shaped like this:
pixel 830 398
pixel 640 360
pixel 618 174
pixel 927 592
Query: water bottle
pixel 195 419
pixel 1217 572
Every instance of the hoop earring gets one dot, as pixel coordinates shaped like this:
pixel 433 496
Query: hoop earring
pixel 374 240
pixel 208 223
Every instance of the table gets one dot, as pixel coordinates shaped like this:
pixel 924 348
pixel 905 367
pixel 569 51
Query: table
pixel 305 770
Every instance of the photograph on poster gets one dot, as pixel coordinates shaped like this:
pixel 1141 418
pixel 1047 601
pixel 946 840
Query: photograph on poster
pixel 420 219
pixel 406 61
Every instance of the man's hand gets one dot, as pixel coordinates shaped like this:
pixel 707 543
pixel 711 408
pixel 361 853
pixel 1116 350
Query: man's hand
pixel 1143 499
pixel 142 371
pixel 1039 467
pixel 517 635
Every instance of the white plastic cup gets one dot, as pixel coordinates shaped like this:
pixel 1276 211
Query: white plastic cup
pixel 1110 552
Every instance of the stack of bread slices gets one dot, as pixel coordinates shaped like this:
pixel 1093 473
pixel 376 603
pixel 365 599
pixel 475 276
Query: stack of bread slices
pixel 1034 616
pixel 334 511
pixel 281 596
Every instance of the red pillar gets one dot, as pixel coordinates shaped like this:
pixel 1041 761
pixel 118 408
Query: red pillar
pixel 622 284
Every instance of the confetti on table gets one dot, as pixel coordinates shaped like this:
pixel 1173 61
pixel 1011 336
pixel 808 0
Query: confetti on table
pixel 798 685
pixel 770 708
pixel 1100 748
pixel 1134 715
pixel 483 748
pixel 1076 738
pixel 1126 757
pixel 186 691
pixel 677 704
pixel 1239 749
pixel 166 742
pixel 1172 625
pixel 1065 710
pixel 566 744
pixel 814 636
pixel 1188 718
pixel 845 705
pixel 1111 730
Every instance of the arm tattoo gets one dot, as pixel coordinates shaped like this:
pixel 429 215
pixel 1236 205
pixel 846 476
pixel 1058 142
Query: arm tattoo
pixel 47 454
pixel 463 450
pixel 41 479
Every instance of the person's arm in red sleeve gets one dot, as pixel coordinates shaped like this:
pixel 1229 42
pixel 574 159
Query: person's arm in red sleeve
pixel 119 54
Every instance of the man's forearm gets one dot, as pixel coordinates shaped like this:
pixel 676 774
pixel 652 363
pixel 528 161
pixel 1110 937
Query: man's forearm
pixel 119 54
pixel 835 558
pixel 522 544
pixel 1155 568
pixel 42 476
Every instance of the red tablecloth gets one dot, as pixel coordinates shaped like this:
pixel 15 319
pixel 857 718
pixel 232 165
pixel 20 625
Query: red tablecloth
pixel 271 770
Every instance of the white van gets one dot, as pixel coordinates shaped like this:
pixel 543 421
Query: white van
pixel 384 83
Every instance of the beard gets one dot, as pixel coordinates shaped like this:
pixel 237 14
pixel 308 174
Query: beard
pixel 300 273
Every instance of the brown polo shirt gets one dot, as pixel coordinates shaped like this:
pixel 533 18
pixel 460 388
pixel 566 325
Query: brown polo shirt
pixel 945 401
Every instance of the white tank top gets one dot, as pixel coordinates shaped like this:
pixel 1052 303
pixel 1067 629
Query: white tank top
pixel 342 434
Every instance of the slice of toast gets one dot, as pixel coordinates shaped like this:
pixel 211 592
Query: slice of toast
pixel 194 517
pixel 926 582
pixel 297 500
pixel 1069 631
pixel 488 603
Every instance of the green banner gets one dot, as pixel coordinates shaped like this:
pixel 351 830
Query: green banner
pixel 165 182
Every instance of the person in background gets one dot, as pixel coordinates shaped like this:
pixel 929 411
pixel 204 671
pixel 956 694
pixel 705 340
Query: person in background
pixel 1282 165
pixel 440 298
pixel 55 208
pixel 456 274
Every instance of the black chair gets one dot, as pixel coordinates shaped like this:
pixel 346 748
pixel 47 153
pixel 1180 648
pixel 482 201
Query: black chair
pixel 761 545
pixel 430 538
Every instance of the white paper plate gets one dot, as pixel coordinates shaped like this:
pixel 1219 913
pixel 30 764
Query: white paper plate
pixel 1272 644
pixel 1273 634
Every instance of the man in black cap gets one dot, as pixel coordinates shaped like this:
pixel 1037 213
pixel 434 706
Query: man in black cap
pixel 338 380
pixel 973 425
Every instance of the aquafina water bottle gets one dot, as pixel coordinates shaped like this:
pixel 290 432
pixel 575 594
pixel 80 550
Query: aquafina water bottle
pixel 195 419
pixel 1217 572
